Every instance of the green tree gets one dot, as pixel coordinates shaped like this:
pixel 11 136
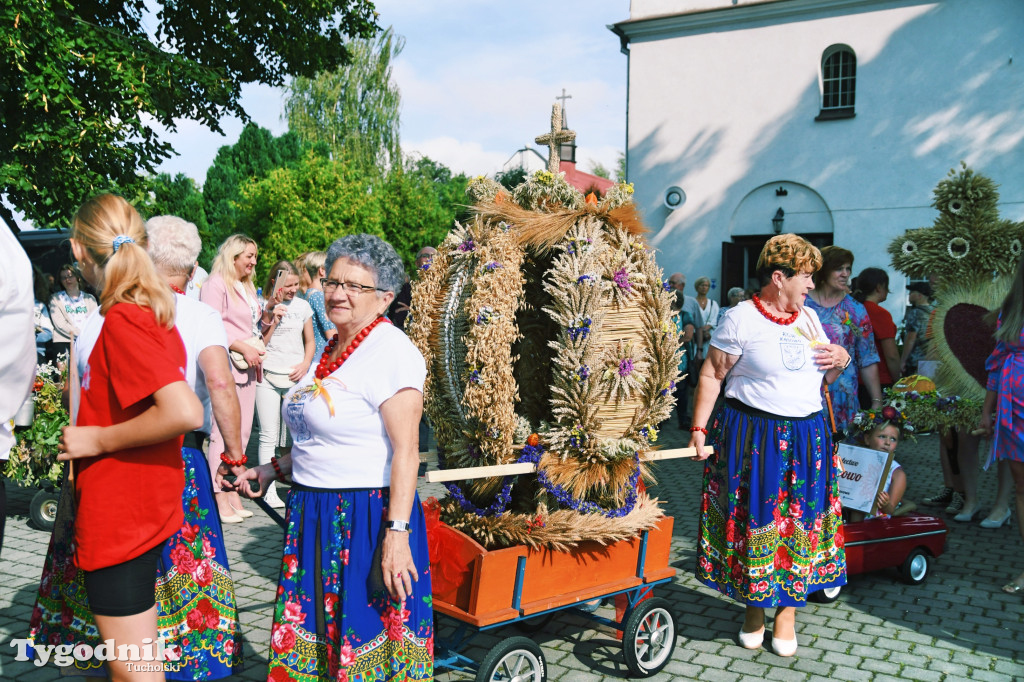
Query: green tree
pixel 354 108
pixel 83 82
pixel 307 206
pixel 598 169
pixel 253 156
pixel 180 196
pixel 620 168
pixel 511 178
pixel 423 199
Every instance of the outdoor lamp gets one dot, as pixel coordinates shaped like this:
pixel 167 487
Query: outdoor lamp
pixel 780 217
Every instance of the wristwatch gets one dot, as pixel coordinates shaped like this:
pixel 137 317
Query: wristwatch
pixel 398 526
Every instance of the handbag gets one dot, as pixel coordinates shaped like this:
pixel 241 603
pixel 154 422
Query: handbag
pixel 277 379
pixel 836 435
pixel 238 360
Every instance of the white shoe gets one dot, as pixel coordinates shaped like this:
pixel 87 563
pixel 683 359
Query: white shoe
pixel 751 640
pixel 784 647
pixel 273 500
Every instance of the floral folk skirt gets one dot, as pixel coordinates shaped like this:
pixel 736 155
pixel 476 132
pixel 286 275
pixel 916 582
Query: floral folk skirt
pixel 771 521
pixel 334 619
pixel 196 615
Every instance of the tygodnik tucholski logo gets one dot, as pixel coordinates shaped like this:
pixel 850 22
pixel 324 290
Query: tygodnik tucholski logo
pixel 150 657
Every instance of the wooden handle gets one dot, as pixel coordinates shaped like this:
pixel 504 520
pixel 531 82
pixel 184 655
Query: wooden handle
pixel 515 468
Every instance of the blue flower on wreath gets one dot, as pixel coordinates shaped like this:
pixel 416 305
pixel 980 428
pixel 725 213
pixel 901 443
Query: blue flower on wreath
pixel 492 266
pixel 474 375
pixel 582 372
pixel 585 279
pixel 665 286
pixel 579 328
pixel 567 501
pixel 467 245
pixel 578 246
pixel 504 226
pixel 578 437
pixel 485 315
pixel 425 266
pixel 670 386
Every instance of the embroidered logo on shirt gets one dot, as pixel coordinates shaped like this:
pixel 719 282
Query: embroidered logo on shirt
pixel 793 356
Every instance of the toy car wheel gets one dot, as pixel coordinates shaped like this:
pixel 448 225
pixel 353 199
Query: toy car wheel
pixel 649 637
pixel 533 625
pixel 515 658
pixel 915 568
pixel 43 509
pixel 827 595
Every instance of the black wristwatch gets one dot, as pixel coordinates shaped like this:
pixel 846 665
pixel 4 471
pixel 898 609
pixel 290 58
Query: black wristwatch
pixel 398 526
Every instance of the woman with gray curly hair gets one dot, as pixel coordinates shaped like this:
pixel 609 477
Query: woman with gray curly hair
pixel 355 579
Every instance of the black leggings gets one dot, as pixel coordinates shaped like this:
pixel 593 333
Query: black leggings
pixel 124 589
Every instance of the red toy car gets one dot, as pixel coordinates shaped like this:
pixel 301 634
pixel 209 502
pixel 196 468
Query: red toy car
pixel 902 542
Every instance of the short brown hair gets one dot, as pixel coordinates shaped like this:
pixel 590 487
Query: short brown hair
pixel 832 258
pixel 790 254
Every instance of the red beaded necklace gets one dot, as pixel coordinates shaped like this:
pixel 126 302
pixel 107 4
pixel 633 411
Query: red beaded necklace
pixel 326 367
pixel 774 318
pixel 177 290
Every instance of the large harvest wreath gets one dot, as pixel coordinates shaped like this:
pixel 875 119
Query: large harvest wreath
pixel 547 333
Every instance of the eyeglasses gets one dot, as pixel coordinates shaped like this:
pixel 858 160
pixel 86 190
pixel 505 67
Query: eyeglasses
pixel 329 285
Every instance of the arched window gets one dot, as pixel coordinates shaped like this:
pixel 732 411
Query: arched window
pixel 838 82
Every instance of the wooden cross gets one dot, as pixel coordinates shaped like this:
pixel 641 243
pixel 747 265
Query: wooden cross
pixel 564 97
pixel 555 138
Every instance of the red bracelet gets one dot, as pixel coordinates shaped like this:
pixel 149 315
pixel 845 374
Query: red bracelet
pixel 699 428
pixel 277 469
pixel 234 462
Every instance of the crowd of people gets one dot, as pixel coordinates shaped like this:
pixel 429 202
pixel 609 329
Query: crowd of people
pixel 175 374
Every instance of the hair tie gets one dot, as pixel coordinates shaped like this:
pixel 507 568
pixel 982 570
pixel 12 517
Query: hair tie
pixel 122 239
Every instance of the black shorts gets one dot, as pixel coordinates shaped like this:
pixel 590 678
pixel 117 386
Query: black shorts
pixel 124 589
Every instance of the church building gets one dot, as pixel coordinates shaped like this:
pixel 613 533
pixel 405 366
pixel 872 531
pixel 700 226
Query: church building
pixel 833 119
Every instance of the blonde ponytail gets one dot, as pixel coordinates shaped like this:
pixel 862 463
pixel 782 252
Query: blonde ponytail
pixel 112 233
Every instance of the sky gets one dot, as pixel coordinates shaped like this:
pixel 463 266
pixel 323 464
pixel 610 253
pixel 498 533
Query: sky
pixel 477 80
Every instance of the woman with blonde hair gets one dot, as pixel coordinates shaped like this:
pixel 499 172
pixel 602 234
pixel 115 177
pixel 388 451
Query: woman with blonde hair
pixel 770 522
pixel 135 406
pixel 230 291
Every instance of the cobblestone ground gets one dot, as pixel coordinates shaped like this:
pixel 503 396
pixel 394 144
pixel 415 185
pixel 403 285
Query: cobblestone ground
pixel 957 625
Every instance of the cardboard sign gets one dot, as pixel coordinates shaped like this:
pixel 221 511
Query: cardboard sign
pixel 864 477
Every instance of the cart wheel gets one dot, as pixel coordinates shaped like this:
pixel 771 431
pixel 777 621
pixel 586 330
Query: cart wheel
pixel 915 568
pixel 515 658
pixel 43 509
pixel 533 625
pixel 827 595
pixel 649 637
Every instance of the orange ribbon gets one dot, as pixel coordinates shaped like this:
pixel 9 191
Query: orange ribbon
pixel 322 391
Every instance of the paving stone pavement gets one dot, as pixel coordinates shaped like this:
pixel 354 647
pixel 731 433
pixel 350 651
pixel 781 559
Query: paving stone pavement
pixel 957 625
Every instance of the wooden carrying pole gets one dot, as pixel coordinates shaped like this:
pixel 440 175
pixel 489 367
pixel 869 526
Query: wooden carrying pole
pixel 515 468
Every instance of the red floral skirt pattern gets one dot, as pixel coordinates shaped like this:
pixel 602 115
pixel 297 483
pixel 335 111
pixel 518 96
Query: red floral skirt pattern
pixel 334 619
pixel 771 522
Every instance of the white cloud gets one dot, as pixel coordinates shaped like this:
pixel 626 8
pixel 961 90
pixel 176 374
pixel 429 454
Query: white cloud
pixel 462 157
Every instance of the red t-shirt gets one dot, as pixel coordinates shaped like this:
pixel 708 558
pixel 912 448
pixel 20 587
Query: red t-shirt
pixel 128 501
pixel 885 328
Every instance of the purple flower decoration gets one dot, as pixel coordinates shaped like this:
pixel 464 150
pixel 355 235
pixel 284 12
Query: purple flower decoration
pixel 579 328
pixel 665 286
pixel 625 367
pixel 584 279
pixel 621 278
pixel 493 265
pixel 671 387
pixel 425 266
pixel 467 245
pixel 582 372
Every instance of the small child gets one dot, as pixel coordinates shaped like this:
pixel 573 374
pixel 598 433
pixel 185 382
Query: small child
pixel 882 431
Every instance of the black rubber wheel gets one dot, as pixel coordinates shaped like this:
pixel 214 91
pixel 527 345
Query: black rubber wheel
pixel 515 658
pixel 826 596
pixel 915 567
pixel 533 625
pixel 43 509
pixel 649 637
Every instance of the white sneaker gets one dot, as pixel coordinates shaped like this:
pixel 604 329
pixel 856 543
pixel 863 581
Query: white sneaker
pixel 272 498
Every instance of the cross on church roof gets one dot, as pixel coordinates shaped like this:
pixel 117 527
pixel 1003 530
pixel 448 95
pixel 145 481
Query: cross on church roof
pixel 556 137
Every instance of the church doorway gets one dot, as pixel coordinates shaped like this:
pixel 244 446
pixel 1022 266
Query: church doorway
pixel 739 260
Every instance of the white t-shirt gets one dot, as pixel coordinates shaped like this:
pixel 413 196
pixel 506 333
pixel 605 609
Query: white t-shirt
pixel 199 326
pixel 776 370
pixel 17 334
pixel 285 348
pixel 193 285
pixel 352 448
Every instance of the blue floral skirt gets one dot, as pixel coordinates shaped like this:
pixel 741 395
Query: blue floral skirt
pixel 334 618
pixel 196 615
pixel 771 521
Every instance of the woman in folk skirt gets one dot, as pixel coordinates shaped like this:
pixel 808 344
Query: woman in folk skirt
pixel 354 599
pixel 770 526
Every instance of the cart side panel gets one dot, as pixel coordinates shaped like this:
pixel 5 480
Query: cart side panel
pixel 495 581
pixel 659 551
pixel 452 558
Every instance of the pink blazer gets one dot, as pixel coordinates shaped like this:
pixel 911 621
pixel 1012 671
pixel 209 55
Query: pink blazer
pixel 236 313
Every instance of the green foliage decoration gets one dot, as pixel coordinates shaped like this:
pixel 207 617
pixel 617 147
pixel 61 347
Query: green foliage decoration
pixel 33 459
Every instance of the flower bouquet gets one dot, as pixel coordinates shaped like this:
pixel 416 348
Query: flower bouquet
pixel 33 459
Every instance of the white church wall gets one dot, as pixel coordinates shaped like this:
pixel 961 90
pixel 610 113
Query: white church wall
pixel 725 108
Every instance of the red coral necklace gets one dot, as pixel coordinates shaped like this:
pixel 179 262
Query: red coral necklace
pixel 774 318
pixel 326 367
pixel 177 290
